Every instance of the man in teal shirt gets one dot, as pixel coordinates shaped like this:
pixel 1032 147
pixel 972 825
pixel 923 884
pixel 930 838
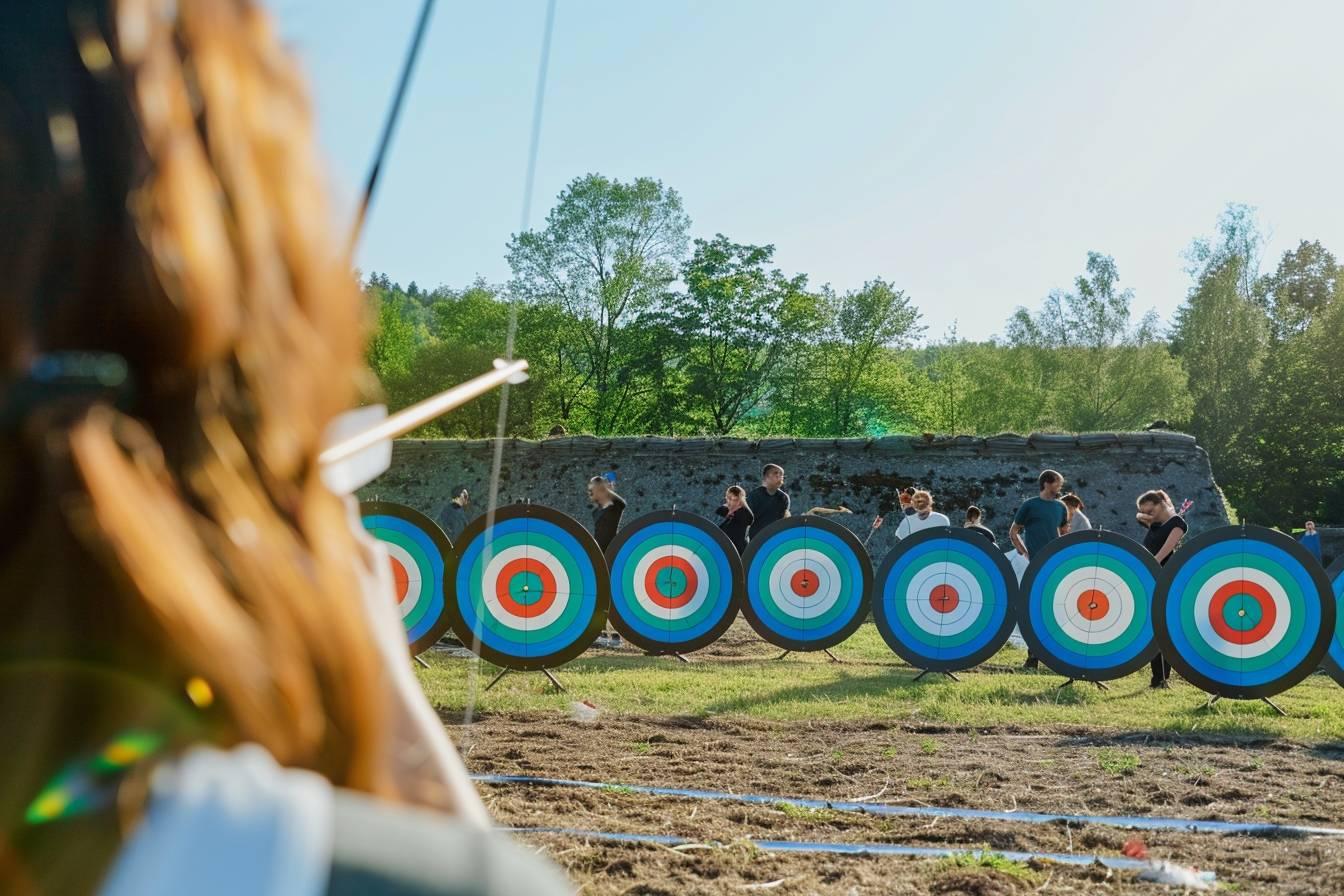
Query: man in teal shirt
pixel 1040 521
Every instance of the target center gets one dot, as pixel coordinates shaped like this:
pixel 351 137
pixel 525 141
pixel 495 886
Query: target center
pixel 671 582
pixel 1242 612
pixel 944 598
pixel 526 588
pixel 1093 604
pixel 804 582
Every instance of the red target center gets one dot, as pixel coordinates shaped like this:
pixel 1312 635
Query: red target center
pixel 1093 604
pixel 944 598
pixel 1242 588
pixel 804 582
pixel 657 576
pixel 401 580
pixel 511 573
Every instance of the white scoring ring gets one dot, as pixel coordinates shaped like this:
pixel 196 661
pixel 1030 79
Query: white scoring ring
pixel 1283 615
pixel 494 569
pixel 415 586
pixel 701 578
pixel 1119 612
pixel 970 599
pixel 828 576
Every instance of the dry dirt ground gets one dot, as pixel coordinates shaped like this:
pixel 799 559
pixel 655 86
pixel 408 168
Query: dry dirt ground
pixel 1055 770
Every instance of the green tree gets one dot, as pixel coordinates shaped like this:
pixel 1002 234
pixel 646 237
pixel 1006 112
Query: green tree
pixel 1221 335
pixel 738 322
pixel 1100 369
pixel 863 324
pixel 609 252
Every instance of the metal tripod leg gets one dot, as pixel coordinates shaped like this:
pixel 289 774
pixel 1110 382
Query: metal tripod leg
pixel 1101 685
pixel 833 657
pixel 927 671
pixel 1274 706
pixel 420 662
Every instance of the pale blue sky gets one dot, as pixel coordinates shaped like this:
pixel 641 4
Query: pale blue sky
pixel 970 152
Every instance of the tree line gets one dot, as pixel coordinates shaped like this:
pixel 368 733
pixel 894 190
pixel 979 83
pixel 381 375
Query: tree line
pixel 632 327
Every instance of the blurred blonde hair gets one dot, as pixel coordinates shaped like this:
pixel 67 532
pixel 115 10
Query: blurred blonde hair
pixel 162 158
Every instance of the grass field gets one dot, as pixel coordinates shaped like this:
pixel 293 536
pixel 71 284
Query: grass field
pixel 872 683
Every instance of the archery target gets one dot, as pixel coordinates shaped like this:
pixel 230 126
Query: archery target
pixel 1086 605
pixel 530 588
pixel 675 582
pixel 944 599
pixel 418 552
pixel 1334 657
pixel 1245 612
pixel 807 583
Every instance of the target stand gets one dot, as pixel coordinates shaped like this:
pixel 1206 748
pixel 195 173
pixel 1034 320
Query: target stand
pixel 807 582
pixel 942 601
pixel 1086 606
pixel 419 554
pixel 530 590
pixel 676 583
pixel 1245 613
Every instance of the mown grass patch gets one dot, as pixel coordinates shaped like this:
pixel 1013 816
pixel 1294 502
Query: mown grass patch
pixel 871 683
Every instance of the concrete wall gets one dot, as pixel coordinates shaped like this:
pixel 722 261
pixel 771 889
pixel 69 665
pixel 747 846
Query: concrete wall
pixel 1107 470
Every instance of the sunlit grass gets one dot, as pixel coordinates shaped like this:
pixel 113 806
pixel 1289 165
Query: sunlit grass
pixel 872 683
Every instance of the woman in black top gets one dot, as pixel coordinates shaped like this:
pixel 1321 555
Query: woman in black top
pixel 1166 528
pixel 607 509
pixel 737 517
pixel 973 516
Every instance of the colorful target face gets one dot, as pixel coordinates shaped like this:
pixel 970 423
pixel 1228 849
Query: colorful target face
pixel 530 590
pixel 1334 657
pixel 675 581
pixel 419 553
pixel 944 600
pixel 807 583
pixel 1086 605
pixel 1244 612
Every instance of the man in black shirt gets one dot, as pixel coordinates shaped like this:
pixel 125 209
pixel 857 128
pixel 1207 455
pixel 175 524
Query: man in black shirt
pixel 768 501
pixel 973 516
pixel 1166 528
pixel 607 509
pixel 453 516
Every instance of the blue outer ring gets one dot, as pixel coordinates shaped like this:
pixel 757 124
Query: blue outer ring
pixel 794 533
pixel 1174 612
pixel 1105 662
pixel 594 596
pixel 930 546
pixel 431 540
pixel 1334 657
pixel 644 534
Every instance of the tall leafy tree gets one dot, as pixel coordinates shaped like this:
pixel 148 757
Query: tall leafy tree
pixel 609 252
pixel 863 324
pixel 1221 334
pixel 739 320
pixel 1100 368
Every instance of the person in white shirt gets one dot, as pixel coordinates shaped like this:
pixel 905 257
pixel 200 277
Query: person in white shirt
pixel 924 517
pixel 1078 521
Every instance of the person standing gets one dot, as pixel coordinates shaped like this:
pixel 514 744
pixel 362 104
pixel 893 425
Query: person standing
pixel 453 516
pixel 1038 522
pixel 736 517
pixel 607 510
pixel 973 523
pixel 1311 540
pixel 768 501
pixel 1166 528
pixel 924 517
pixel 1078 521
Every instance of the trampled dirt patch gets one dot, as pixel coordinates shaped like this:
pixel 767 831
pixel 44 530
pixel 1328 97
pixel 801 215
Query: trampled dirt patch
pixel 1072 771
